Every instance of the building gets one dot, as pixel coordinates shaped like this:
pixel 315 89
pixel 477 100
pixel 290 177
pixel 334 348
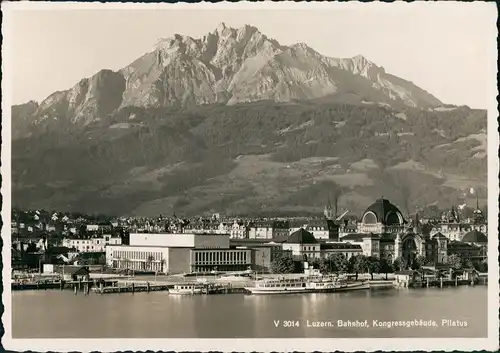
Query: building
pixel 91 244
pixel 178 253
pixel 239 230
pixel 186 240
pixel 348 250
pixel 319 228
pixel 72 273
pixel 382 217
pixel 384 233
pixel 303 243
pixel 453 228
pixel 466 251
pixel 475 237
pixel 268 229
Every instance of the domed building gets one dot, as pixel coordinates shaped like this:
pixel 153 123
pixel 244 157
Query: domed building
pixel 382 217
pixel 475 237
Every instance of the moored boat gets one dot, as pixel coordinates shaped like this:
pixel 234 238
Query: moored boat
pixel 279 286
pixel 311 284
pixel 187 289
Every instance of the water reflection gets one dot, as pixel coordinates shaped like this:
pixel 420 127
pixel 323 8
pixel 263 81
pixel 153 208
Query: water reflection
pixel 55 314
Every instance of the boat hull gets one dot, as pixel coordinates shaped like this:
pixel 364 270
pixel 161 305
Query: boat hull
pixel 254 290
pixel 332 289
pixel 349 287
pixel 173 292
pixel 185 292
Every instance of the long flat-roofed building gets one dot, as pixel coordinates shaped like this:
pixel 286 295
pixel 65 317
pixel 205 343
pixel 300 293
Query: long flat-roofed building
pixel 178 253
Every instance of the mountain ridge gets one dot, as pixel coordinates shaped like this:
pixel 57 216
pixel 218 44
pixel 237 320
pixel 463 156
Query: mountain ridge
pixel 234 121
pixel 228 66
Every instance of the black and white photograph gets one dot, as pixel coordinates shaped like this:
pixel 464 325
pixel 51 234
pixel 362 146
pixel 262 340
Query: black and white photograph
pixel 250 176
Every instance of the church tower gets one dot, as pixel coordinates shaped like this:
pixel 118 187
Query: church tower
pixel 478 217
pixel 328 211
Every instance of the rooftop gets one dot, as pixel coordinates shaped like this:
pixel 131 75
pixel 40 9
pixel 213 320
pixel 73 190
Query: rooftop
pixel 475 236
pixel 301 236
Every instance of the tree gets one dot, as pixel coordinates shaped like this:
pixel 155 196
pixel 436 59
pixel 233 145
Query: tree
pixel 282 264
pixel 338 263
pixel 385 267
pixel 316 263
pixel 324 266
pixel 357 264
pixel 454 261
pixel 418 262
pixel 399 264
pixel 481 266
pixel 372 265
pixel 467 263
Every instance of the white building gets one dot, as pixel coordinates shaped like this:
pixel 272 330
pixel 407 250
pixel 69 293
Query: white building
pixel 239 230
pixel 178 253
pixel 302 242
pixel 91 244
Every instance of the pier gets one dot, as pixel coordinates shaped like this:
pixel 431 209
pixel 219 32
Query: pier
pixel 441 282
pixel 76 286
pixel 141 286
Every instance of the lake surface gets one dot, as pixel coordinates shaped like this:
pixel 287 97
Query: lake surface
pixel 61 314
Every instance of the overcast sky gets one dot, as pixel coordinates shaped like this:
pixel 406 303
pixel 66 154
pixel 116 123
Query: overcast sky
pixel 445 48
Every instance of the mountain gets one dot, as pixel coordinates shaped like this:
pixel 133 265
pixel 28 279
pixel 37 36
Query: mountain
pixel 237 122
pixel 228 66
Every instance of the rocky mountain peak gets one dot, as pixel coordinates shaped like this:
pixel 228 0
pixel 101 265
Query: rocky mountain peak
pixel 229 66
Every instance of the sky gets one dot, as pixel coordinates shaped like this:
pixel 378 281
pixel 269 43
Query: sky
pixel 445 48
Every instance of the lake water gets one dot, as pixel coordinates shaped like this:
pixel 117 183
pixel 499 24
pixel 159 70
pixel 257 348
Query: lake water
pixel 61 314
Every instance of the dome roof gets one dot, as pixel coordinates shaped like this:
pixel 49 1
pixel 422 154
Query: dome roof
pixel 385 212
pixel 475 237
pixel 301 236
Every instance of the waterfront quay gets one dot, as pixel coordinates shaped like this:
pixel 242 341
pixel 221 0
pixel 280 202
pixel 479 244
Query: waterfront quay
pixel 125 284
pixel 217 284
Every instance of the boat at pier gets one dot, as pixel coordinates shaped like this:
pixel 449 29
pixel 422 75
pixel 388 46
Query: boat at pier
pixel 188 289
pixel 308 284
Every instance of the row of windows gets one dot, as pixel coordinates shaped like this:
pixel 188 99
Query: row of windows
pixel 346 254
pixel 137 255
pixel 233 256
pixel 309 248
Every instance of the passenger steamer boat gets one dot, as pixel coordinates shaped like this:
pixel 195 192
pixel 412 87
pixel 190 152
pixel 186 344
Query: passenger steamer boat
pixel 310 284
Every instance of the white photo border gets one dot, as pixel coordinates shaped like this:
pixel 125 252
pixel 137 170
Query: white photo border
pixel 246 345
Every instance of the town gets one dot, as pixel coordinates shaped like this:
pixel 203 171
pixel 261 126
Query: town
pixel 382 241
